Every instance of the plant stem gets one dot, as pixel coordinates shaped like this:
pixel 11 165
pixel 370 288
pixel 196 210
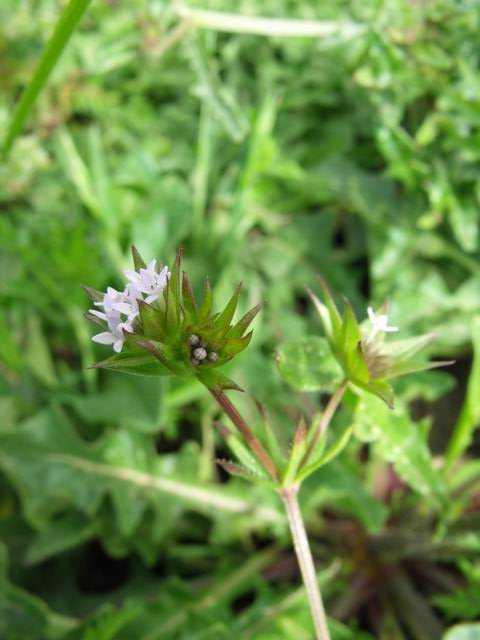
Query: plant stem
pixel 248 435
pixel 327 415
pixel 305 560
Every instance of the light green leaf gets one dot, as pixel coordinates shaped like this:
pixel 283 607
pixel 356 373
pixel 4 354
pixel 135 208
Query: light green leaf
pixel 307 364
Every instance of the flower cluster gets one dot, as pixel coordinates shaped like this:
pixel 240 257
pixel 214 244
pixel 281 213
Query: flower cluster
pixel 157 328
pixel 367 360
pixel 121 308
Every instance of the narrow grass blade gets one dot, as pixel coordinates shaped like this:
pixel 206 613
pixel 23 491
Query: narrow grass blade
pixel 52 52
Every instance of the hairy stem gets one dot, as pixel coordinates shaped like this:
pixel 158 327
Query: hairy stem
pixel 252 441
pixel 305 560
pixel 324 421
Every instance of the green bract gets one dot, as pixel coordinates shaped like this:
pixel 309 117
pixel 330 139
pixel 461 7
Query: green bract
pixel 167 333
pixel 368 363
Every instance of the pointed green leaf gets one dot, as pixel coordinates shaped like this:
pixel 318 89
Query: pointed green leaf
pixel 241 472
pixel 242 325
pixel 243 453
pixel 356 366
pixel 236 345
pixel 379 388
pixel 188 297
pixel 174 281
pixel 350 331
pixel 227 314
pixel 207 302
pixel 137 365
pixel 269 437
pixel 299 447
pixel 407 348
pixel 332 452
pixel 138 261
pixel 402 367
pixel 335 318
pixel 96 296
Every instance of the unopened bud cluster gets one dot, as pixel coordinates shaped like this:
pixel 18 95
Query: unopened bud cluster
pixel 198 351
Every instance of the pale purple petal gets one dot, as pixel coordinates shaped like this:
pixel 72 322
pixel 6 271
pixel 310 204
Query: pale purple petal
pixel 104 338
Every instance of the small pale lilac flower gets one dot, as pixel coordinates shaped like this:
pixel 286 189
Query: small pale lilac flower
pixel 379 323
pixel 115 336
pixel 148 281
pixel 116 305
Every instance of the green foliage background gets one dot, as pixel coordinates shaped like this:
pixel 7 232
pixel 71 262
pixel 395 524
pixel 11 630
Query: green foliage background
pixel 269 159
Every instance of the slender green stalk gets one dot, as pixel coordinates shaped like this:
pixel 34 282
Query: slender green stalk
pixel 305 560
pixel 248 435
pixel 324 421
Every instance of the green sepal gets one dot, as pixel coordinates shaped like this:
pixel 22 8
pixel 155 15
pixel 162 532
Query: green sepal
pixel 138 261
pixel 207 303
pixel 407 348
pixel 402 367
pixel 242 325
pixel 96 296
pixel 94 320
pixel 141 365
pixel 189 302
pixel 171 310
pixel 334 314
pixel 224 319
pixel 356 367
pixel 350 332
pixel 174 280
pixel 236 345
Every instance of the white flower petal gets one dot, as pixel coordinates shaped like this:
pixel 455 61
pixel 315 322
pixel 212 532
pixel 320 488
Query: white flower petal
pixel 104 338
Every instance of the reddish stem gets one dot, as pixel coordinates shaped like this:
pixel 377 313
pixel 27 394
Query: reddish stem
pixel 248 435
